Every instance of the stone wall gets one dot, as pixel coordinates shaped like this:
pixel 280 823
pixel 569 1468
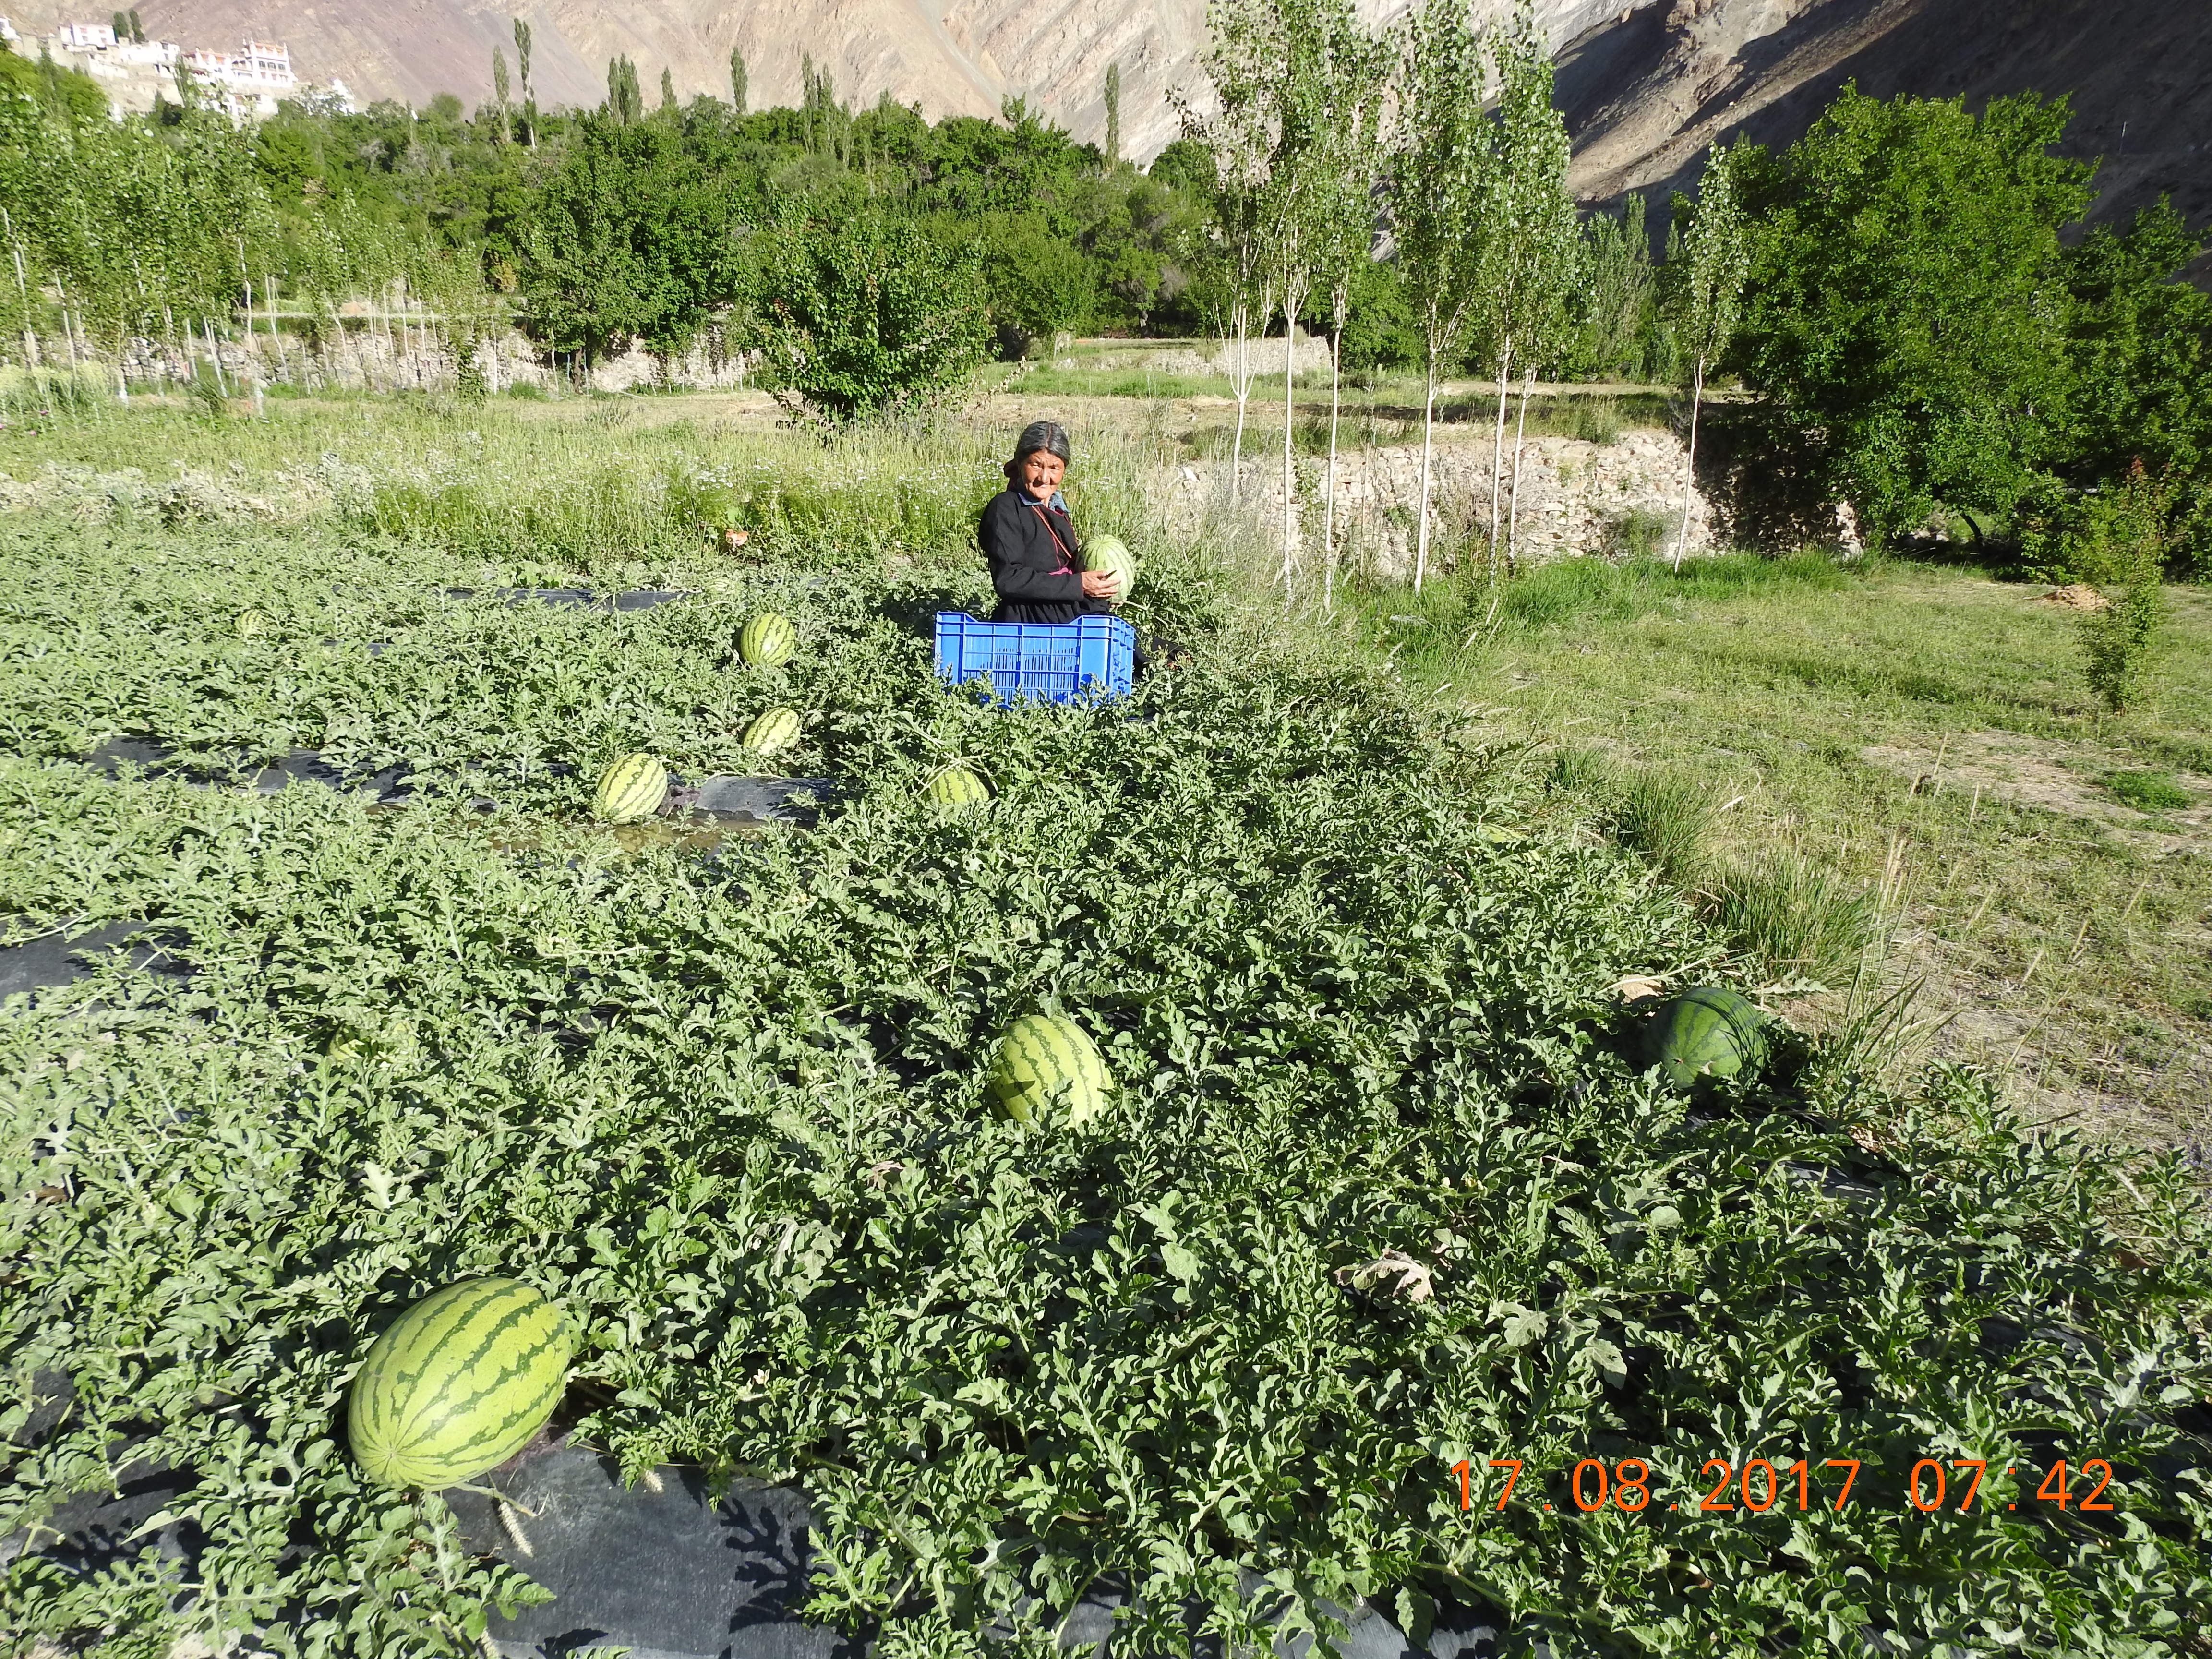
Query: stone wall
pixel 1575 497
pixel 392 354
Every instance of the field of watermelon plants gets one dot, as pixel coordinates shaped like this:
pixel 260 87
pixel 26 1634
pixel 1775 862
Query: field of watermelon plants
pixel 1387 1186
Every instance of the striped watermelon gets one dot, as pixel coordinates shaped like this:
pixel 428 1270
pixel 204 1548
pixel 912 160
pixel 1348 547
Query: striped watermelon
pixel 631 790
pixel 1040 1059
pixel 248 622
pixel 1707 1031
pixel 955 787
pixel 777 729
pixel 458 1384
pixel 768 639
pixel 1111 553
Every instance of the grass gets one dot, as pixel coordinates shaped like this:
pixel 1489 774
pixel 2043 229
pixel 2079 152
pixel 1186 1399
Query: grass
pixel 1857 707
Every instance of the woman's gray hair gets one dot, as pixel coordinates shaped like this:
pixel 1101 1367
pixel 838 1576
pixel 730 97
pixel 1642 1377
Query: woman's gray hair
pixel 1050 436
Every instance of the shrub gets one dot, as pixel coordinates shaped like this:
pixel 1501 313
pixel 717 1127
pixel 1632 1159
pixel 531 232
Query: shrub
pixel 2119 544
pixel 2149 791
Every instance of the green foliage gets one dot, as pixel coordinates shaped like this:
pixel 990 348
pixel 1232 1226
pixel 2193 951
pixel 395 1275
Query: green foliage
pixel 1039 285
pixel 69 93
pixel 1907 298
pixel 862 316
pixel 2140 342
pixel 2150 791
pixel 2117 543
pixel 733 1107
pixel 627 236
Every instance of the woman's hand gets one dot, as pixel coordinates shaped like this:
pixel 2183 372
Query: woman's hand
pixel 1100 585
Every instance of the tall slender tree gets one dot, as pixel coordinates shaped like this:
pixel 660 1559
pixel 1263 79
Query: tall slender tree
pixel 1442 174
pixel 500 89
pixel 1533 241
pixel 1114 115
pixel 1239 138
pixel 1358 75
pixel 1715 259
pixel 737 79
pixel 522 63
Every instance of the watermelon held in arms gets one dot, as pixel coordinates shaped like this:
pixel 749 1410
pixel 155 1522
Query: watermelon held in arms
pixel 953 788
pixel 1041 1058
pixel 458 1384
pixel 768 639
pixel 631 790
pixel 1110 553
pixel 777 729
pixel 1707 1031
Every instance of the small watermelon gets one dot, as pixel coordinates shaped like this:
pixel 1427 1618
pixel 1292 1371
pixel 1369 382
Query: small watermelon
pixel 248 624
pixel 768 639
pixel 1111 553
pixel 458 1384
pixel 1707 1031
pixel 631 790
pixel 955 787
pixel 1040 1058
pixel 777 729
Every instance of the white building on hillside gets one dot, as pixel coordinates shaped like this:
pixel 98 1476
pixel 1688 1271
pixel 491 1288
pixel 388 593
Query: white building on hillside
pixel 88 37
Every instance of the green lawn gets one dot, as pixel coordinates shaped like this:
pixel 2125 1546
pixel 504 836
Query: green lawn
pixel 1841 711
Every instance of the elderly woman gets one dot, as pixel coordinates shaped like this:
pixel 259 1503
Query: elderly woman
pixel 1036 563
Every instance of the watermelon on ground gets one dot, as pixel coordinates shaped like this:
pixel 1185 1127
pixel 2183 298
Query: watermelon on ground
pixel 1707 1031
pixel 458 1384
pixel 955 787
pixel 631 790
pixel 1041 1058
pixel 768 639
pixel 778 728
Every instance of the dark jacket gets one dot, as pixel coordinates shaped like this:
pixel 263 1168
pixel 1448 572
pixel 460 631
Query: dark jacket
pixel 1036 563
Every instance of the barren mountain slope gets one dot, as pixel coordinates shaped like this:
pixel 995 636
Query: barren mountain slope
pixel 1646 95
pixel 951 56
pixel 1646 86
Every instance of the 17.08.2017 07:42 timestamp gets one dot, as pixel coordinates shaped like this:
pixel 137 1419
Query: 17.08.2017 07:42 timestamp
pixel 1758 1484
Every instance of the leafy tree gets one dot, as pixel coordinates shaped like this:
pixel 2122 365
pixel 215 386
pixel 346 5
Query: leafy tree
pixel 1041 285
pixel 1619 297
pixel 866 314
pixel 1708 277
pixel 522 64
pixel 627 236
pixel 625 99
pixel 1443 176
pixel 1906 310
pixel 1184 164
pixel 738 80
pixel 500 89
pixel 2139 345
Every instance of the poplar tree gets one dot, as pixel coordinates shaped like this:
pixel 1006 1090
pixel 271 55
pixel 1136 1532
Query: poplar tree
pixel 1245 43
pixel 1532 241
pixel 1714 261
pixel 522 63
pixel 499 89
pixel 1114 115
pixel 1353 71
pixel 738 80
pixel 1443 173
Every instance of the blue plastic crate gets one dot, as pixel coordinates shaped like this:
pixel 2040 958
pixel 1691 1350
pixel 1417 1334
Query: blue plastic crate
pixel 1053 661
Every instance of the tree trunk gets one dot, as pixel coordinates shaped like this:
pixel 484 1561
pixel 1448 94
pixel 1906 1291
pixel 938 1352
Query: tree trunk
pixel 1290 478
pixel 1690 463
pixel 1428 429
pixel 1328 488
pixel 1240 382
pixel 1498 450
pixel 1519 437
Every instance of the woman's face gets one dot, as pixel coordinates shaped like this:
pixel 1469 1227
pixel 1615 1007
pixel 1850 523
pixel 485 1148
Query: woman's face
pixel 1041 471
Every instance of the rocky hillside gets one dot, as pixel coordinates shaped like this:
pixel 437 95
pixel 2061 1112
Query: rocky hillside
pixel 1647 85
pixel 1647 91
